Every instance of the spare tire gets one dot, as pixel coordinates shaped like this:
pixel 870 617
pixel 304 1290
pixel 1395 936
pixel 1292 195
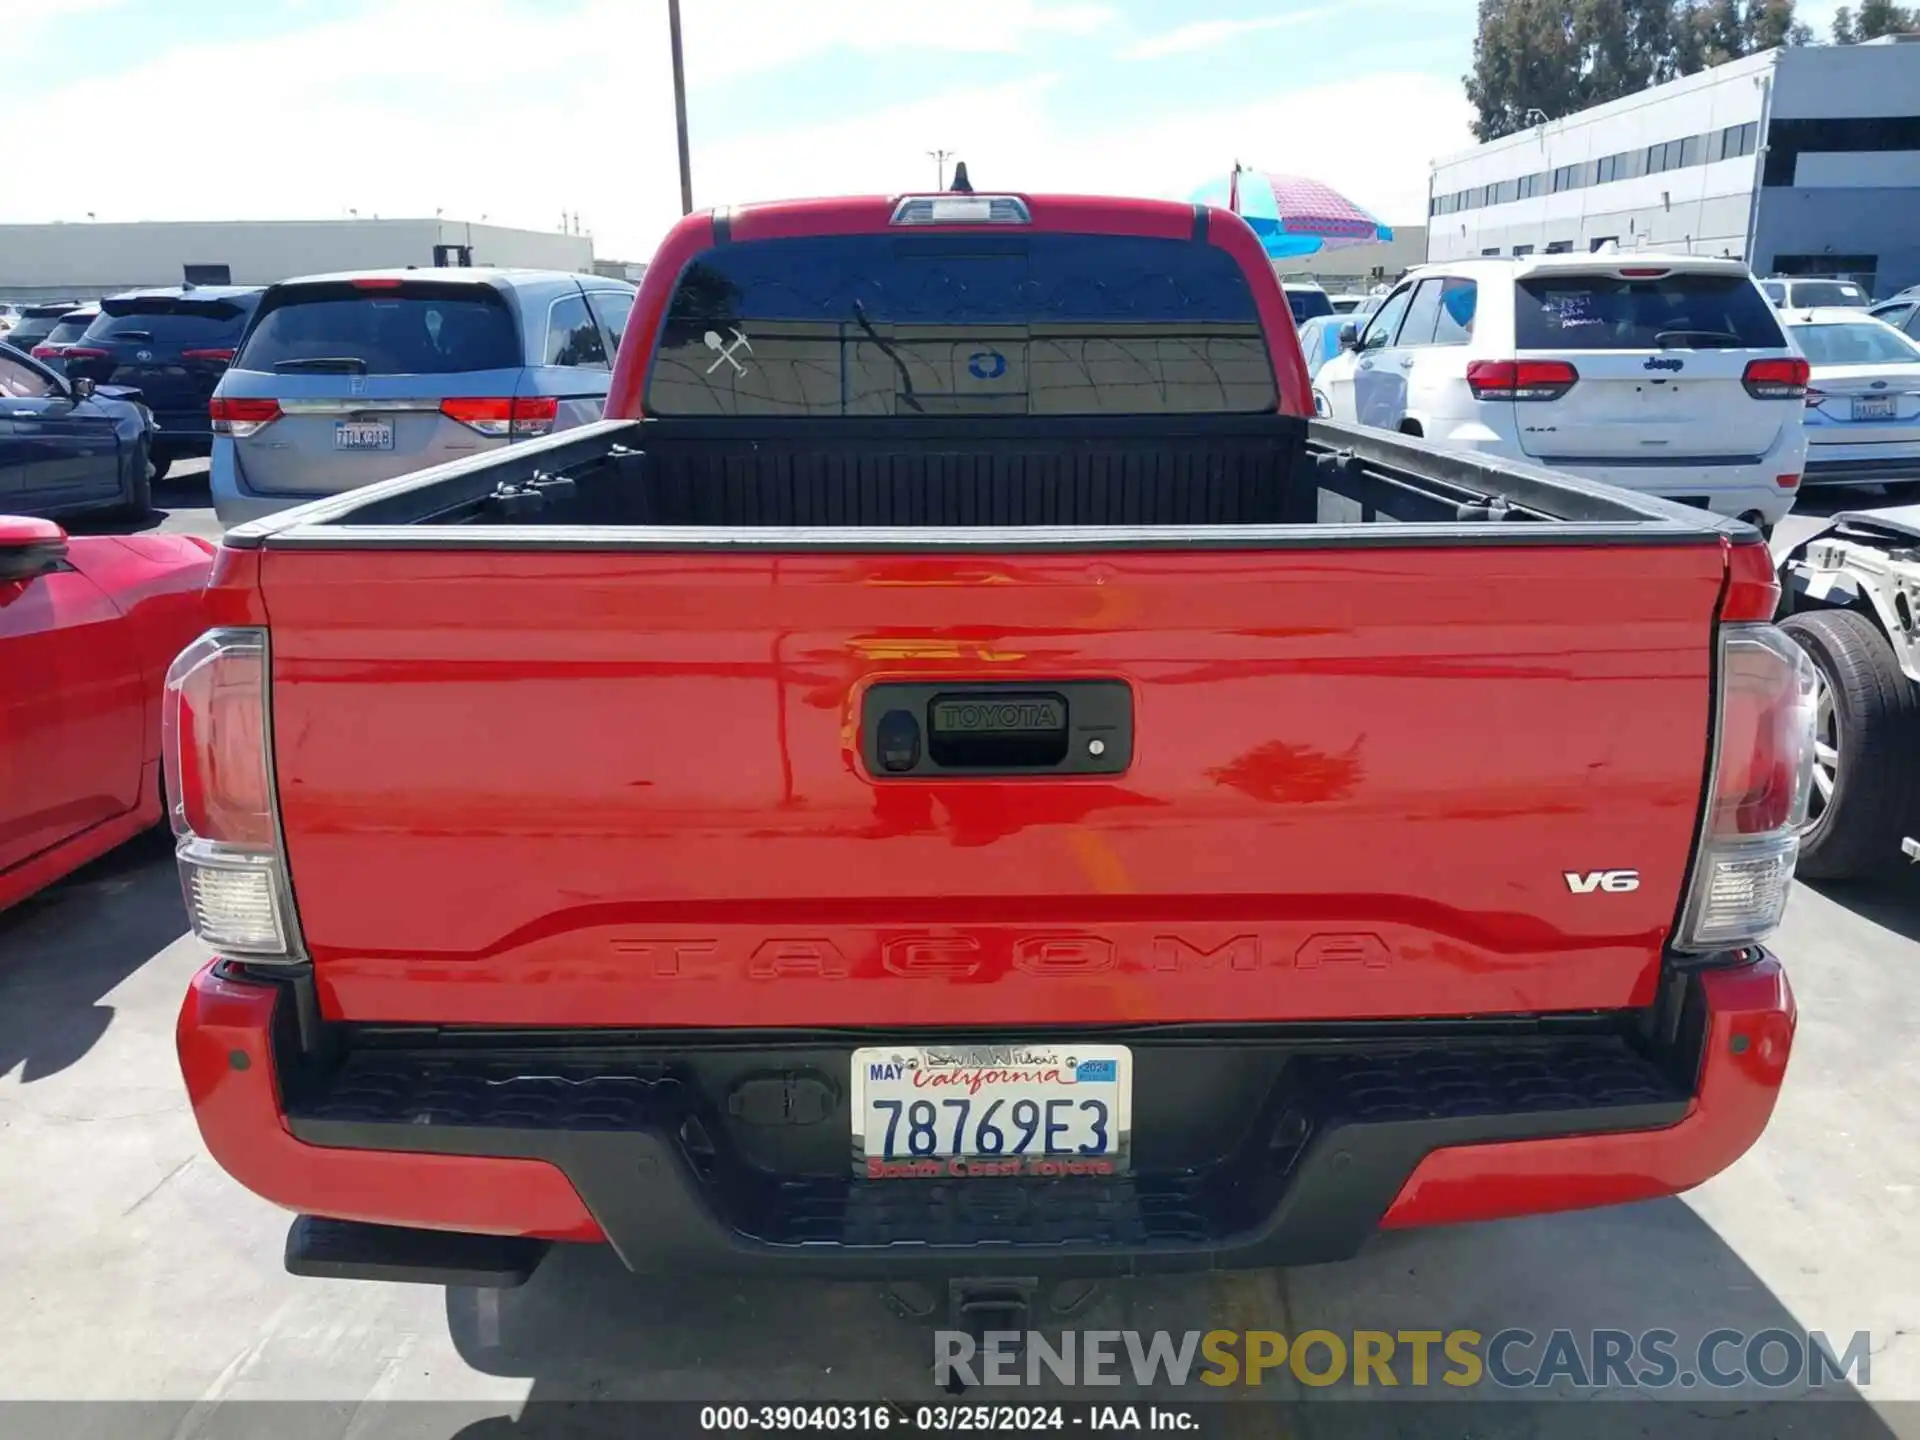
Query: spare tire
pixel 1866 796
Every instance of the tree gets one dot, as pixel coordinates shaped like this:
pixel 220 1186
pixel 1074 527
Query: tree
pixel 1530 55
pixel 1873 19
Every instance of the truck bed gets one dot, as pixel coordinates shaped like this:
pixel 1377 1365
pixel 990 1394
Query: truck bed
pixel 1102 477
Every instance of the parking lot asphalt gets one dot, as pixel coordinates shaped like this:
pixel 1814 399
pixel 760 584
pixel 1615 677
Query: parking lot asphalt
pixel 133 1269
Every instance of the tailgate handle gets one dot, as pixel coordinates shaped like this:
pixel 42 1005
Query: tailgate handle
pixel 997 729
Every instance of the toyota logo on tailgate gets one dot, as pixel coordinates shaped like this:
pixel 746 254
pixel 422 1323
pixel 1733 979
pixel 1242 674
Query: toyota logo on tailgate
pixel 143 354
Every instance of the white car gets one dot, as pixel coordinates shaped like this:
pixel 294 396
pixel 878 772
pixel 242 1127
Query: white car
pixel 1822 290
pixel 1863 402
pixel 1667 374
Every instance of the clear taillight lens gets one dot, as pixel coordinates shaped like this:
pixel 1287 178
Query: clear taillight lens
pixel 1761 784
pixel 215 745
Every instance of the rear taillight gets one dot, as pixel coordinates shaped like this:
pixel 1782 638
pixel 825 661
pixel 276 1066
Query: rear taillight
pixel 1757 793
pixel 519 418
pixel 1520 379
pixel 238 417
pixel 1777 379
pixel 84 352
pixel 219 355
pixel 48 352
pixel 216 746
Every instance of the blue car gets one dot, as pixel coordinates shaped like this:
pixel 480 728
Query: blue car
pixel 1320 338
pixel 172 345
pixel 341 380
pixel 68 447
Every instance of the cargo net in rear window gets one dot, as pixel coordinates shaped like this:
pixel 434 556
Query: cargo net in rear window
pixel 958 325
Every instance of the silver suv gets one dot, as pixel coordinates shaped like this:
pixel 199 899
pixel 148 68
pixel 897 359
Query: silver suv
pixel 342 380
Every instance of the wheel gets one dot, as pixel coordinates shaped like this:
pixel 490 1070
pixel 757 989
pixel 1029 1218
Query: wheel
pixel 1866 773
pixel 138 503
pixel 157 467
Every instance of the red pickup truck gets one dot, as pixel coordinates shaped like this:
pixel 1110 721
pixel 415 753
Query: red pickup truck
pixel 963 775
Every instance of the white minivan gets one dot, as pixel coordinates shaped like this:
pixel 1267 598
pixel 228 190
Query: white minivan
pixel 1668 374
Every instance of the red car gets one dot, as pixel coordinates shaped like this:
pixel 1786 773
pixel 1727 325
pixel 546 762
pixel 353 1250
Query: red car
pixel 965 775
pixel 87 628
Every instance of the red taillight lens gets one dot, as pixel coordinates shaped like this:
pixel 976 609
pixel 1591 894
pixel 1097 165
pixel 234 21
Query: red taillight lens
pixel 1784 379
pixel 1757 801
pixel 1520 379
pixel 240 417
pixel 1787 482
pixel 376 282
pixel 217 354
pixel 215 746
pixel 1764 770
pixel 215 740
pixel 518 418
pixel 48 352
pixel 534 415
pixel 84 352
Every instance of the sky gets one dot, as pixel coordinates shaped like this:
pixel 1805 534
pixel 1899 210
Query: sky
pixel 520 110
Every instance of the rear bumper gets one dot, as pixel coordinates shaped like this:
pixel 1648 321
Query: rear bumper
pixel 1878 468
pixel 234 502
pixel 1733 486
pixel 629 1143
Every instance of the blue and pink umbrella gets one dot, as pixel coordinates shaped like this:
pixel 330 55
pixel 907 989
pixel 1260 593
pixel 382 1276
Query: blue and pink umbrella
pixel 1293 215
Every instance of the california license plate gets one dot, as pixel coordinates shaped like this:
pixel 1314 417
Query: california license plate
pixel 1873 407
pixel 966 1111
pixel 363 435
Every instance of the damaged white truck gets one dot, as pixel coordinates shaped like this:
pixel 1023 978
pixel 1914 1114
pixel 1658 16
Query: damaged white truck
pixel 1850 594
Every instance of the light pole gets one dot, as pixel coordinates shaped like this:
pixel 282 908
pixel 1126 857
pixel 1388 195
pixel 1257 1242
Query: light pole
pixel 939 158
pixel 680 108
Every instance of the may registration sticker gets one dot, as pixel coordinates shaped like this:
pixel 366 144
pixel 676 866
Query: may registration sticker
pixel 986 1110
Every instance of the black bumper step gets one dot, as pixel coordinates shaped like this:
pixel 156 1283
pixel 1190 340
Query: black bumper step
pixel 349 1250
pixel 1320 1143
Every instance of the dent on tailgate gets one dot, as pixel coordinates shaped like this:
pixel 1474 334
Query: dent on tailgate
pixel 606 789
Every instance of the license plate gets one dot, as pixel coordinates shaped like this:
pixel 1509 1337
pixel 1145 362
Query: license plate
pixel 977 1111
pixel 363 435
pixel 1873 407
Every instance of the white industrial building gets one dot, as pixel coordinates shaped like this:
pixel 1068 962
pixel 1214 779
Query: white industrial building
pixel 86 259
pixel 1802 161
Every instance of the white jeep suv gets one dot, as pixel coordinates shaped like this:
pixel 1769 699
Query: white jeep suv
pixel 1668 374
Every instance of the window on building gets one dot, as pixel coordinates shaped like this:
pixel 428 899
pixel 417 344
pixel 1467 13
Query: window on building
pixel 1559 247
pixel 1603 170
pixel 1600 241
pixel 1506 192
pixel 1693 150
pixel 1749 137
pixel 1633 164
pixel 1495 250
pixel 1519 250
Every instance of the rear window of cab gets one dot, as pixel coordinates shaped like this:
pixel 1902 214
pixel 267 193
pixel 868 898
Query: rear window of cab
pixel 962 324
